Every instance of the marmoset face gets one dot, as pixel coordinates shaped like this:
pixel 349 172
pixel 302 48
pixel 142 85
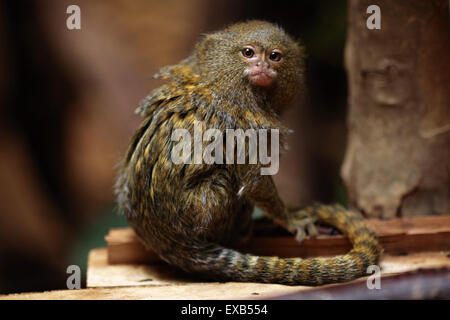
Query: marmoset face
pixel 262 64
pixel 256 59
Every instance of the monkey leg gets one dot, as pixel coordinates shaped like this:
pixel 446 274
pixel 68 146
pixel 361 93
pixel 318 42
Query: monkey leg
pixel 300 222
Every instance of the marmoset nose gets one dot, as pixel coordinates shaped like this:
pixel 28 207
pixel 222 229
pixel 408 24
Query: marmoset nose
pixel 262 64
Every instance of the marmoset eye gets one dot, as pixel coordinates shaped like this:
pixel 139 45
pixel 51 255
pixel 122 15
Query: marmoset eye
pixel 247 52
pixel 275 56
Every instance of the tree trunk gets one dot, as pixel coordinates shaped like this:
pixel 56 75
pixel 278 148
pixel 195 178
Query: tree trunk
pixel 397 161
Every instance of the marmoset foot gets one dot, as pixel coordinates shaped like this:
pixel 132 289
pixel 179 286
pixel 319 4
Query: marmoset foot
pixel 302 223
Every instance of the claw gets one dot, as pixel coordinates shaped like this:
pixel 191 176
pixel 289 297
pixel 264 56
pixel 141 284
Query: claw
pixel 301 235
pixel 312 230
pixel 302 227
pixel 303 224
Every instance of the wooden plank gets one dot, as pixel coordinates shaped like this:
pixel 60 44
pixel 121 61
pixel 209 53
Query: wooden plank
pixel 102 274
pixel 397 236
pixel 419 284
pixel 190 291
pixel 212 290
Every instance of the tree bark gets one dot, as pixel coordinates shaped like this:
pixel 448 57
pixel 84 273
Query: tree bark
pixel 397 161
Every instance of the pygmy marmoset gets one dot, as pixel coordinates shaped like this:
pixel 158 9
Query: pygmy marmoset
pixel 192 213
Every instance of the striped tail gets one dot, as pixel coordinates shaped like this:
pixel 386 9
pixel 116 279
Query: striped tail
pixel 220 263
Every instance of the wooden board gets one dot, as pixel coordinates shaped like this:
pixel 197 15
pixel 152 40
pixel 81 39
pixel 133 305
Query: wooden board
pixel 102 274
pixel 397 236
pixel 190 291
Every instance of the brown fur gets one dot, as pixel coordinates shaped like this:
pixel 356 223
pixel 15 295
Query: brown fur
pixel 190 213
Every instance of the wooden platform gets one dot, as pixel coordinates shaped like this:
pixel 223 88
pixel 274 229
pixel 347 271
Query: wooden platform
pixel 124 270
pixel 102 274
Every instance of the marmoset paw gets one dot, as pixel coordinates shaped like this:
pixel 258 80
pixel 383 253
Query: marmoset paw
pixel 303 224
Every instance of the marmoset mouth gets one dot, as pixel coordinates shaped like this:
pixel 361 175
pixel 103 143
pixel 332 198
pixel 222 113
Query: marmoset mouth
pixel 261 78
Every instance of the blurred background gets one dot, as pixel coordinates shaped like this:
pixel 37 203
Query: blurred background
pixel 66 114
